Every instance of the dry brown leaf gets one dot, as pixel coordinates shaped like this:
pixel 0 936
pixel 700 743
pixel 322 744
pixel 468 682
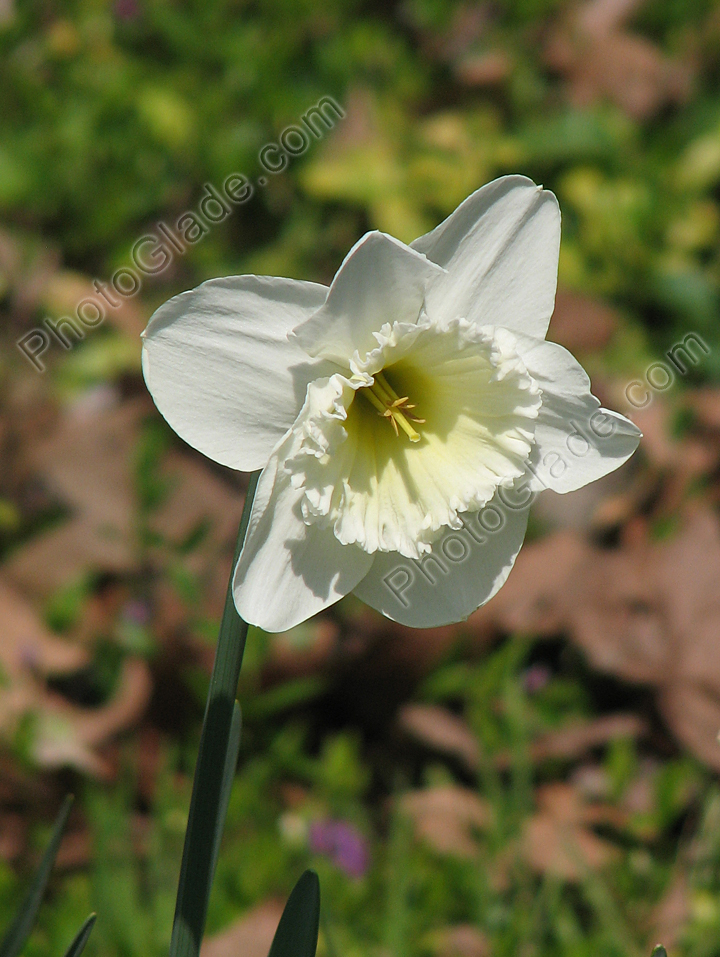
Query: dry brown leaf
pixel 602 60
pixel 462 940
pixel 28 653
pixel 574 741
pixel 556 838
pixel 442 730
pixel 535 595
pixel 87 463
pixel 250 937
pixel 26 645
pixel 96 726
pixel 651 613
pixel 614 615
pixel 681 459
pixel 563 850
pixel 693 713
pixel 657 442
pixel 491 68
pixel 687 581
pixel 51 560
pixel 598 17
pixel 196 496
pixel 580 323
pixel 648 612
pixel 705 403
pixel 673 912
pixel 588 509
pixel 446 818
pixel 564 802
pixel 69 736
pixel 13 831
pixel 198 499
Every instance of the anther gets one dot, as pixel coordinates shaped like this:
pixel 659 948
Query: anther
pixel 395 408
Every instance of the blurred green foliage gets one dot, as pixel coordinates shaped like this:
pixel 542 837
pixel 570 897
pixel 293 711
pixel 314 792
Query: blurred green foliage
pixel 113 116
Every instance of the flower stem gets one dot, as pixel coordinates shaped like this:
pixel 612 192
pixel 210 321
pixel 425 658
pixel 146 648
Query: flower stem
pixel 208 803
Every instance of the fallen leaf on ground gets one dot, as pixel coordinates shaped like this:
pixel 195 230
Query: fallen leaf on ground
pixel 602 60
pixel 706 405
pixel 27 645
pixel 70 736
pixel 13 830
pixel 615 617
pixel 580 323
pixel 671 916
pixel 491 68
pixel 251 936
pixel 557 840
pixel 195 496
pixel 50 561
pixel 446 818
pixel 574 741
pixel 87 462
pixel 441 730
pixel 534 597
pixel 462 940
pixel 693 713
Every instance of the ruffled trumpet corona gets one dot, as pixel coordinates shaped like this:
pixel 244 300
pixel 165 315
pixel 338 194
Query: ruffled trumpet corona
pixel 403 417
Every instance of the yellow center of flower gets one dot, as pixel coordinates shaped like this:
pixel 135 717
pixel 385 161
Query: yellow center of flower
pixel 396 409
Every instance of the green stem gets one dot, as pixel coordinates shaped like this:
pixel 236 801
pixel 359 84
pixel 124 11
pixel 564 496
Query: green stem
pixel 206 817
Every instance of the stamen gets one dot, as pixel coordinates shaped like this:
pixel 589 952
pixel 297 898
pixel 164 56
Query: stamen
pixel 391 406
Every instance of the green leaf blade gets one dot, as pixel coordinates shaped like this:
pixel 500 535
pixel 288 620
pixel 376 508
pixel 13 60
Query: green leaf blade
pixel 297 932
pixel 22 926
pixel 81 938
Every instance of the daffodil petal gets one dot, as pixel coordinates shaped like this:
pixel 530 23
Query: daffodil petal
pixel 500 249
pixel 221 369
pixel 463 571
pixel 381 280
pixel 381 491
pixel 576 441
pixel 289 571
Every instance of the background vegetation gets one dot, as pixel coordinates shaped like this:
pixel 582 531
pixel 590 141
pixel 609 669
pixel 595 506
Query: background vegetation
pixel 541 780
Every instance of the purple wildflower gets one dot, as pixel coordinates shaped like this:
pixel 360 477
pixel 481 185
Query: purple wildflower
pixel 536 677
pixel 342 843
pixel 127 9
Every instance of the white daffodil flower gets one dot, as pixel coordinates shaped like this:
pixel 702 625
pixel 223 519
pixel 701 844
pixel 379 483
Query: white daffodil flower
pixel 403 417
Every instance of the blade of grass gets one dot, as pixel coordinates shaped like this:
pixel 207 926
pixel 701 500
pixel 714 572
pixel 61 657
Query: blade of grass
pixel 329 937
pixel 209 799
pixel 397 913
pixel 297 932
pixel 22 926
pixel 81 938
